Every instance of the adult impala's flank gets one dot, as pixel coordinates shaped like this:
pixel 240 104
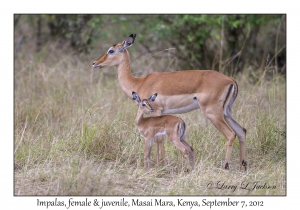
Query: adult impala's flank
pixel 182 91
pixel 151 127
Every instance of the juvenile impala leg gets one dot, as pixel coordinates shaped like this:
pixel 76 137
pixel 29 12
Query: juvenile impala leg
pixel 177 143
pixel 160 151
pixel 191 151
pixel 147 152
pixel 157 152
pixel 160 148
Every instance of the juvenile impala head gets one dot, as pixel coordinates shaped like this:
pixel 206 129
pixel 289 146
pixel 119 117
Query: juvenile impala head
pixel 113 56
pixel 144 105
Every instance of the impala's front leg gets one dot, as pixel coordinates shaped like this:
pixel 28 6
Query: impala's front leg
pixel 156 152
pixel 160 148
pixel 147 152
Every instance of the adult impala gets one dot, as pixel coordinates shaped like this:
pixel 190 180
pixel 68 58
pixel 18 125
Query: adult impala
pixel 169 125
pixel 182 91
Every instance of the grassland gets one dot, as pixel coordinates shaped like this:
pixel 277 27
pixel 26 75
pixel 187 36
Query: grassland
pixel 74 134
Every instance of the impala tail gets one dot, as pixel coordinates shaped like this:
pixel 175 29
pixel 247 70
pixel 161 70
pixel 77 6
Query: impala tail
pixel 181 92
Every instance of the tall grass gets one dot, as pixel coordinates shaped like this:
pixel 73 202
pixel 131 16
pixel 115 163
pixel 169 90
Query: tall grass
pixel 75 136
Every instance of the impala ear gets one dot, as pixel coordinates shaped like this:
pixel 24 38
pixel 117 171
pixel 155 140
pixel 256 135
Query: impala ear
pixel 129 41
pixel 136 97
pixel 153 97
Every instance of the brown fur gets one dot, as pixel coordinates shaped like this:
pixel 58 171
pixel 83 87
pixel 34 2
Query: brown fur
pixel 178 90
pixel 171 126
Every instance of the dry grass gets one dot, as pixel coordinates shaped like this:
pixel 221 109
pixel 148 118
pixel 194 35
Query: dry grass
pixel 75 136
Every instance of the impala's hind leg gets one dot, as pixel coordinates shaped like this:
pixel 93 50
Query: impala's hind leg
pixel 239 130
pixel 216 116
pixel 241 134
pixel 185 151
pixel 191 151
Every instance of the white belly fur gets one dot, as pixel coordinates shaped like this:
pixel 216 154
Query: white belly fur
pixel 194 105
pixel 160 134
pixel 156 135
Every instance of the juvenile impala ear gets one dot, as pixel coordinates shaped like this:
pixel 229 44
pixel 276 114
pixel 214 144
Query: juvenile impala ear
pixel 153 97
pixel 136 97
pixel 129 41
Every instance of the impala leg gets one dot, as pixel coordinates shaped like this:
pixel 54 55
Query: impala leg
pixel 191 151
pixel 229 147
pixel 162 151
pixel 160 143
pixel 147 152
pixel 179 145
pixel 156 152
pixel 220 123
pixel 241 134
pixel 160 148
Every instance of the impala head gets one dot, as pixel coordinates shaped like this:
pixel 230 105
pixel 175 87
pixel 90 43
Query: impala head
pixel 113 56
pixel 144 105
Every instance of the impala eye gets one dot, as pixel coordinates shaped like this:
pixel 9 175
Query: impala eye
pixel 111 51
pixel 143 104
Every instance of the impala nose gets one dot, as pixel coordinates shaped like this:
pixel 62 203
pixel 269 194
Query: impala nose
pixel 94 62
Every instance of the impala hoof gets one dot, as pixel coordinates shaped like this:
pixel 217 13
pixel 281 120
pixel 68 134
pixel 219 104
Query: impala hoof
pixel 227 166
pixel 187 170
pixel 244 166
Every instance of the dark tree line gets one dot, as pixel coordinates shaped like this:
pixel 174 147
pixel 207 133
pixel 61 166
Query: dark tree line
pixel 221 42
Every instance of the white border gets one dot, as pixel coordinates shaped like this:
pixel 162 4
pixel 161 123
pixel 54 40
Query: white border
pixel 154 6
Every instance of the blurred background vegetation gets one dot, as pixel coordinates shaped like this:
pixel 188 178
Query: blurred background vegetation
pixel 227 43
pixel 74 131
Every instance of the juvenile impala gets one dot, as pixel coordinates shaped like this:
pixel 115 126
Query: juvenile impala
pixel 150 127
pixel 182 91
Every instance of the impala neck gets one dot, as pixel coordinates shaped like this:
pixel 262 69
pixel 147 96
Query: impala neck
pixel 127 80
pixel 139 118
